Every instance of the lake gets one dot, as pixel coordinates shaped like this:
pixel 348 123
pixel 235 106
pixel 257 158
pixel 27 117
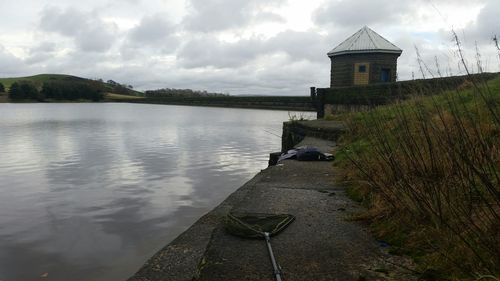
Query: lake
pixel 91 191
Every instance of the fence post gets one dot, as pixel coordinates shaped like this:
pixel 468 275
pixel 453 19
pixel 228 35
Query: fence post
pixel 313 94
pixel 320 103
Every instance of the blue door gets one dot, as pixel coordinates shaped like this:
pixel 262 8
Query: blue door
pixel 385 75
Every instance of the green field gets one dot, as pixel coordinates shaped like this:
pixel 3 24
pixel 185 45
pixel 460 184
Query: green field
pixel 39 79
pixel 118 97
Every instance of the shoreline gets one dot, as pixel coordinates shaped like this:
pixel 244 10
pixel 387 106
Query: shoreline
pixel 283 108
pixel 4 99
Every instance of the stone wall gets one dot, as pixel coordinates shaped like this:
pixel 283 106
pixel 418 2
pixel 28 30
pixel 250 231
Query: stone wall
pixel 299 103
pixel 342 67
pixel 295 131
pixel 359 98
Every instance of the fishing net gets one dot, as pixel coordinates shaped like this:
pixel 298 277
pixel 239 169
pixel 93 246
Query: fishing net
pixel 254 225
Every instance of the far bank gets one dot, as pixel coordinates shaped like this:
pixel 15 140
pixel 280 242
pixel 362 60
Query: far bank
pixel 301 103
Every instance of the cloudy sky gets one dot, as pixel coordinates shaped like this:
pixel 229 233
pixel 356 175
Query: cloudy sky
pixel 271 47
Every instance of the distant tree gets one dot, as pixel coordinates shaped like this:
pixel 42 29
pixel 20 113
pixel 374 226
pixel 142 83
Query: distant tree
pixel 111 82
pixel 95 91
pixel 30 91
pixel 24 90
pixel 15 92
pixel 167 92
pixel 2 88
pixel 71 90
pixel 121 89
pixel 51 91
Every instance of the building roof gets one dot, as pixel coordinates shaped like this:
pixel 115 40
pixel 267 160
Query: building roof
pixel 365 41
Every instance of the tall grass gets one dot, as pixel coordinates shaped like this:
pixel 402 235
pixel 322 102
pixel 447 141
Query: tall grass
pixel 429 169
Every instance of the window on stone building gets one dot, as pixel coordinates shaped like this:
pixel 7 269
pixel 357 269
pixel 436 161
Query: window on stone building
pixel 385 75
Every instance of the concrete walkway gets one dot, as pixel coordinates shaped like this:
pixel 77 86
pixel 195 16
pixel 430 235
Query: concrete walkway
pixel 321 244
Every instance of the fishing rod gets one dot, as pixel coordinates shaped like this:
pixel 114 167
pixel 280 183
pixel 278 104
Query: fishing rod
pixel 276 135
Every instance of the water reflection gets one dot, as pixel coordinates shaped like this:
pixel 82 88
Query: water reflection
pixel 90 191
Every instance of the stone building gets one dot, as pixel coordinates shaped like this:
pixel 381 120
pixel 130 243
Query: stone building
pixel 364 58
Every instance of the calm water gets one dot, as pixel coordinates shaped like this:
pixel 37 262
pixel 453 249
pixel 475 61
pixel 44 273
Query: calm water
pixel 90 191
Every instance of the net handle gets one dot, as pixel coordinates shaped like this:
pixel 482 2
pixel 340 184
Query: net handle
pixel 276 267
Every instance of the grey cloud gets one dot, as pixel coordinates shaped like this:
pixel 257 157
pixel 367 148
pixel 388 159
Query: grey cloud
pixel 207 50
pixel 307 45
pixel 216 15
pixel 268 17
pixel 66 22
pixel 152 29
pixel 95 39
pixel 80 63
pixel 487 23
pixel 285 64
pixel 362 12
pixel 11 65
pixel 444 51
pixel 356 13
pixel 279 78
pixel 89 31
pixel 272 75
pixel 38 58
pixel 287 77
pixel 478 32
pixel 41 52
pixel 134 2
pixel 153 35
pixel 44 47
pixel 408 66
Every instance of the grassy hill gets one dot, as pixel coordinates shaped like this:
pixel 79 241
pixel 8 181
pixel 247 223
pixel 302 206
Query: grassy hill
pixel 39 79
pixel 428 170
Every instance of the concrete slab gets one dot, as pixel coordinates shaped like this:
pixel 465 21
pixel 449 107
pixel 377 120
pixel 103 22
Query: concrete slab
pixel 323 145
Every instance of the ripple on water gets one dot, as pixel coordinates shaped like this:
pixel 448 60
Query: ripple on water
pixel 90 191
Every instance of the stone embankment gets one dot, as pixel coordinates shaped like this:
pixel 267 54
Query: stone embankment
pixel 275 103
pixel 323 243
